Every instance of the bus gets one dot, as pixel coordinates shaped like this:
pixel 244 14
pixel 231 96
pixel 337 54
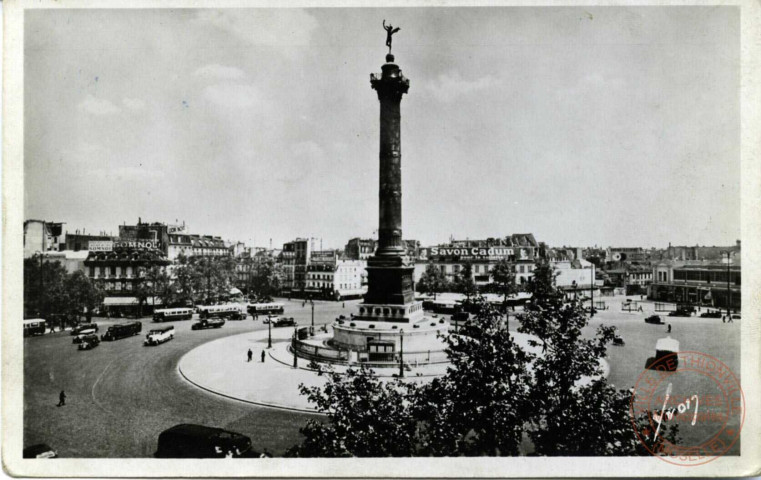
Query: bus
pixel 122 330
pixel 34 326
pixel 170 314
pixel 159 335
pixel 231 311
pixel 265 308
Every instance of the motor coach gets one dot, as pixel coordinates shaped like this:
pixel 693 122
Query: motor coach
pixel 230 311
pixel 265 308
pixel 122 330
pixel 159 335
pixel 34 326
pixel 171 314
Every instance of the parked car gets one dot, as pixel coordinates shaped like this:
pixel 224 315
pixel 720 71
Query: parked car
pixel 284 322
pixel 735 316
pixel 715 314
pixel 654 319
pixel 199 441
pixel 212 322
pixel 84 328
pixel 41 450
pixel 680 313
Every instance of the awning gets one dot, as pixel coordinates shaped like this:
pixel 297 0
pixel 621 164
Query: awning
pixel 122 301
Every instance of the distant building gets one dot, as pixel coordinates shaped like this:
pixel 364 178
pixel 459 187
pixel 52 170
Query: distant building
pixel 332 276
pixel 712 284
pixel 359 248
pixel 520 249
pixel 41 236
pixel 295 257
pixel 71 260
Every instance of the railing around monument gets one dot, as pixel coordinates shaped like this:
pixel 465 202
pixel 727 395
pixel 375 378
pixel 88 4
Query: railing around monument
pixel 318 353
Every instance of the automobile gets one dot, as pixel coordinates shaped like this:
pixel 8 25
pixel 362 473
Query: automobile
pixel 270 318
pixel 199 441
pixel 618 342
pixel 284 322
pixel 213 322
pixel 735 316
pixel 664 347
pixel 83 328
pixel 715 314
pixel 157 336
pixel 89 342
pixel 79 338
pixel 460 316
pixel 41 450
pixel 680 313
pixel 654 319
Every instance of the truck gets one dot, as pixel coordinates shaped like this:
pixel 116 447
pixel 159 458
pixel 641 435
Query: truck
pixel 213 322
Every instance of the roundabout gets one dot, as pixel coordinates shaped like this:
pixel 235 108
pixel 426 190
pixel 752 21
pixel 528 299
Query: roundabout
pixel 221 367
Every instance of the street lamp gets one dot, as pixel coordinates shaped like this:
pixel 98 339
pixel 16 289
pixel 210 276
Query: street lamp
pixel 42 275
pixel 293 346
pixel 592 293
pixel 729 291
pixel 401 353
pixel 269 331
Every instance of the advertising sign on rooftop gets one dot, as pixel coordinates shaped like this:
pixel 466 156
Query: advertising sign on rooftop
pixel 100 245
pixel 477 253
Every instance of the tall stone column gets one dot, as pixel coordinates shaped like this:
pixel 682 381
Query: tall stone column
pixel 389 275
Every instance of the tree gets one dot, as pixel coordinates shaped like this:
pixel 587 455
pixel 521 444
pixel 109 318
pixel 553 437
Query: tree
pixel 478 407
pixel 161 285
pixel 574 410
pixel 265 279
pixel 187 281
pixel 464 281
pixel 367 417
pixel 215 275
pixel 84 295
pixel 44 291
pixel 495 394
pixel 433 281
pixel 503 274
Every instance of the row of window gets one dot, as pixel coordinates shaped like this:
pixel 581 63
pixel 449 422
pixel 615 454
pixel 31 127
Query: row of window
pixel 486 268
pixel 112 271
pixel 706 276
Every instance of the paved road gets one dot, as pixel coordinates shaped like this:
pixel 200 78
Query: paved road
pixel 121 395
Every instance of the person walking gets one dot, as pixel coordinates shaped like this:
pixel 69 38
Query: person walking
pixel 250 354
pixel 61 399
pixel 669 330
pixel 263 356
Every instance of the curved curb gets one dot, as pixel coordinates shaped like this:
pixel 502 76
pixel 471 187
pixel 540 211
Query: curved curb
pixel 250 402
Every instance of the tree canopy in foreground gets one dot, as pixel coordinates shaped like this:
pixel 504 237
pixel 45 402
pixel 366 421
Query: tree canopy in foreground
pixel 498 397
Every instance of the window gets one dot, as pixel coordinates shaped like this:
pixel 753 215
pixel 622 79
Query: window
pixel 520 269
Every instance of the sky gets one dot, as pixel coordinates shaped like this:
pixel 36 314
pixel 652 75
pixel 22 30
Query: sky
pixel 606 126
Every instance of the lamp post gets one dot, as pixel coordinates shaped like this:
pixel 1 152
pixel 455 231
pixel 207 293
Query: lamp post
pixel 729 291
pixel 293 345
pixel 401 353
pixel 42 284
pixel 312 303
pixel 269 331
pixel 592 293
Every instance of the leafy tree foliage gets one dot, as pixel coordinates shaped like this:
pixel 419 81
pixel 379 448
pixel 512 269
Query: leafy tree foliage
pixel 187 281
pixel 215 275
pixel 497 397
pixel 367 417
pixel 265 279
pixel 433 281
pixel 464 281
pixel 503 275
pixel 84 295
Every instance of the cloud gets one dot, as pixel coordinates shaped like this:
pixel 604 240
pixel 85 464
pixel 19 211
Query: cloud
pixel 98 106
pixel 220 72
pixel 133 103
pixel 233 95
pixel 448 87
pixel 263 26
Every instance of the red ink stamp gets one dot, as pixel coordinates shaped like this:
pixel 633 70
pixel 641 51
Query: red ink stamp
pixel 687 408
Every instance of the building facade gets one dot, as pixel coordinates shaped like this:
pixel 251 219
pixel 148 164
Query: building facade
pixel 715 284
pixel 295 258
pixel 520 249
pixel 41 236
pixel 329 276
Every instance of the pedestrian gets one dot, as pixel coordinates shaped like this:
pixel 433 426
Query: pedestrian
pixel 729 319
pixel 263 356
pixel 723 319
pixel 669 330
pixel 61 399
pixel 250 354
pixel 343 305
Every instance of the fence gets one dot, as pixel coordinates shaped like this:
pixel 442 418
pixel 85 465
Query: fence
pixel 665 307
pixel 332 355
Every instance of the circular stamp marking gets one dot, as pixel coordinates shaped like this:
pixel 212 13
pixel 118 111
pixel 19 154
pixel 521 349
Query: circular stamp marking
pixel 687 408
